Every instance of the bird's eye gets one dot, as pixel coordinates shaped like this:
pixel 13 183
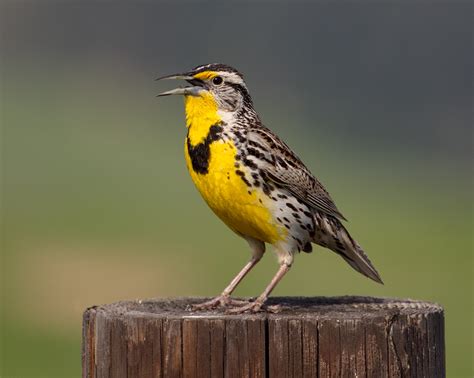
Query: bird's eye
pixel 217 80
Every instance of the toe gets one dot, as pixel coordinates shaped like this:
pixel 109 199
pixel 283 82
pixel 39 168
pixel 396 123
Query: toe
pixel 213 303
pixel 249 307
pixel 274 309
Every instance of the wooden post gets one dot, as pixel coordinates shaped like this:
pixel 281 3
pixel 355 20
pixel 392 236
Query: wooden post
pixel 310 337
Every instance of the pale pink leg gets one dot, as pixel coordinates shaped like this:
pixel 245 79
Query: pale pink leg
pixel 257 305
pixel 224 299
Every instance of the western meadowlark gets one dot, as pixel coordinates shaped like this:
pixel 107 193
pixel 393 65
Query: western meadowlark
pixel 254 182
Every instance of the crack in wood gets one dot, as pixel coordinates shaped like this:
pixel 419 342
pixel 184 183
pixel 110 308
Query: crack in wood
pixel 346 336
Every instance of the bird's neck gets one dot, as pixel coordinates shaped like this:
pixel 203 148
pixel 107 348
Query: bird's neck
pixel 201 114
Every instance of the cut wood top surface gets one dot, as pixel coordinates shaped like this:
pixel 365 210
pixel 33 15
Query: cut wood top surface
pixel 310 337
pixel 318 307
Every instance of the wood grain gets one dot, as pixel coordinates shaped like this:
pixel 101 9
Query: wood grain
pixel 310 337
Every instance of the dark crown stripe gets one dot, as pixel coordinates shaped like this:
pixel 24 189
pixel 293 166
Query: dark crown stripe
pixel 216 67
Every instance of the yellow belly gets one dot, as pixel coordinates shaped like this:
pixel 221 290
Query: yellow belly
pixel 246 211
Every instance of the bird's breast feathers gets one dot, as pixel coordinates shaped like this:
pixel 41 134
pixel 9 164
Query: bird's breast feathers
pixel 211 161
pixel 245 209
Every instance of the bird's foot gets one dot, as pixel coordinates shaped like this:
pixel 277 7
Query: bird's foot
pixel 220 301
pixel 253 307
pixel 275 309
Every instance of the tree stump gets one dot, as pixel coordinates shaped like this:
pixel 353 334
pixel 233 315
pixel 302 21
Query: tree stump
pixel 310 337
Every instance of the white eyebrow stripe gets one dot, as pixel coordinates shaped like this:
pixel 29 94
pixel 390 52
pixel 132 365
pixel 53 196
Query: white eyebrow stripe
pixel 232 77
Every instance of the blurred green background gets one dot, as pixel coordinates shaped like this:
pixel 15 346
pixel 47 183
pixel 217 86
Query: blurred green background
pixel 97 205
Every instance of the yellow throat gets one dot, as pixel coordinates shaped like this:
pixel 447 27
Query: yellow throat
pixel 201 114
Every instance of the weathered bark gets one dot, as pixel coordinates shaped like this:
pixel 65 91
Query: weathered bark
pixel 310 337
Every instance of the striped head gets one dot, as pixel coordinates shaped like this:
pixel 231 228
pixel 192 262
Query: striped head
pixel 216 86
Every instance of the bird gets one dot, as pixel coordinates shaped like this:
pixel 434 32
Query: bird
pixel 254 182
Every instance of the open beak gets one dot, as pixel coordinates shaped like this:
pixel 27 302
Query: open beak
pixel 194 90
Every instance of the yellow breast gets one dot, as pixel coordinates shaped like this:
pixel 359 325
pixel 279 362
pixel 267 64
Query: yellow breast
pixel 247 211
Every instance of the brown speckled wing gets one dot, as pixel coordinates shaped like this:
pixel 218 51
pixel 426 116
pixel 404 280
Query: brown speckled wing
pixel 288 170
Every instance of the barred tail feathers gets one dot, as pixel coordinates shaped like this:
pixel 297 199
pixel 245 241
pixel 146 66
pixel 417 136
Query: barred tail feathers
pixel 330 233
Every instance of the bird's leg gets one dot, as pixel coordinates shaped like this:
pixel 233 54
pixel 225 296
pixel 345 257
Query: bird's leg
pixel 224 299
pixel 258 303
